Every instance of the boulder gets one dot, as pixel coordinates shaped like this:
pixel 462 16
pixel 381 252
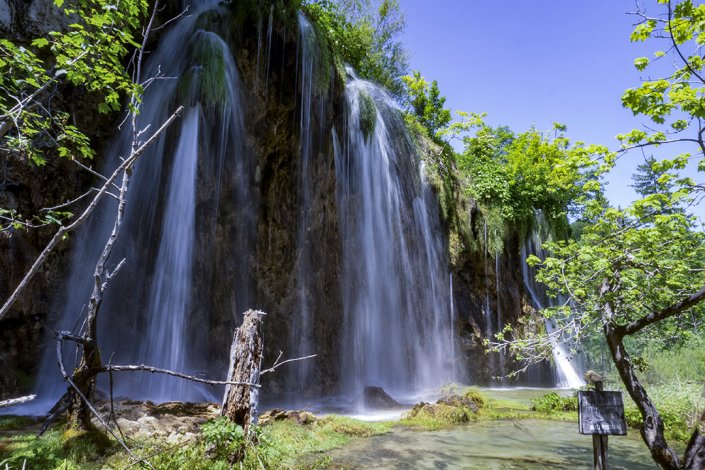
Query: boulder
pixel 377 398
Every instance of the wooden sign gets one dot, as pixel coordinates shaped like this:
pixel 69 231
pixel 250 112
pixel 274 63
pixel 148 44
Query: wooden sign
pixel 601 413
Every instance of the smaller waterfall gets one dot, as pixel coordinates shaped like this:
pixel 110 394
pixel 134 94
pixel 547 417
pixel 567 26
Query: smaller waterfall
pixel 301 327
pixel 566 365
pixel 499 325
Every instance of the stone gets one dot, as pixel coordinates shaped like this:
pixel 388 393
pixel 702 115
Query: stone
pixel 43 17
pixel 278 414
pixel 377 398
pixel 6 17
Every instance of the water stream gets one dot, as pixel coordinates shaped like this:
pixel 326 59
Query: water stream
pixel 511 444
pixel 189 235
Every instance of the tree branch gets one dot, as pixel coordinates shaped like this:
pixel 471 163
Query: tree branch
pixel 667 312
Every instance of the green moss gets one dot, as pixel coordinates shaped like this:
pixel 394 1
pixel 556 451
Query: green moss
pixel 368 114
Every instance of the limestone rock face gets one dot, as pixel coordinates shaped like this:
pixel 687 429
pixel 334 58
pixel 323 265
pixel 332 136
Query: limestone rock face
pixel 6 16
pixel 43 16
pixel 26 20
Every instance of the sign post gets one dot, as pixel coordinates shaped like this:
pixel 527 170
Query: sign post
pixel 600 414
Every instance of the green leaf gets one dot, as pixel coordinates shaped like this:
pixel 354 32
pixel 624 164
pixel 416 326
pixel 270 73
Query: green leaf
pixel 641 63
pixel 40 42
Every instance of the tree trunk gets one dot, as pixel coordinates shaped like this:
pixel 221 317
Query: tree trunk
pixel 695 452
pixel 652 429
pixel 79 415
pixel 240 401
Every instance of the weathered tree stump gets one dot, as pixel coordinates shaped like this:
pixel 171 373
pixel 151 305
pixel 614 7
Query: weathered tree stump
pixel 240 401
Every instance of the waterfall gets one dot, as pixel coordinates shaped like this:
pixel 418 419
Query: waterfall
pixel 167 313
pixel 397 318
pixel 566 365
pixel 156 311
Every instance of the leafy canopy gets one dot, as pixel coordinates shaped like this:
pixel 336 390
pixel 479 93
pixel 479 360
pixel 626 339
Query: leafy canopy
pixel 88 54
pixel 364 34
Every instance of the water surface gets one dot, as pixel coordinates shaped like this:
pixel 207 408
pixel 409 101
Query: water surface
pixel 522 444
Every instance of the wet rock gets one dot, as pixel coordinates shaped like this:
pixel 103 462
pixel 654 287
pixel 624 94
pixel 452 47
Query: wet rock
pixel 452 409
pixel 43 16
pixel 377 398
pixel 175 421
pixel 459 401
pixel 278 414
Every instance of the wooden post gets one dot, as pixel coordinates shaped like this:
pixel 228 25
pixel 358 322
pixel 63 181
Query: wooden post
pixel 599 442
pixel 240 401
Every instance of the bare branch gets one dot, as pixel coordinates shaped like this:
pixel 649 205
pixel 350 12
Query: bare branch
pixel 277 363
pixel 663 314
pixel 17 401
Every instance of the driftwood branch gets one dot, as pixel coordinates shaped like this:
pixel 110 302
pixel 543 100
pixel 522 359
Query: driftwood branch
pixel 17 401
pixel 68 336
pixel 157 370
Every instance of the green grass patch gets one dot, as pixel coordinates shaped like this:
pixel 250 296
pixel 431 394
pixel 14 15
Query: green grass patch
pixel 56 449
pixel 11 423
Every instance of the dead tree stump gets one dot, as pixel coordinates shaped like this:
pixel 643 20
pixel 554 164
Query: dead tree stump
pixel 240 401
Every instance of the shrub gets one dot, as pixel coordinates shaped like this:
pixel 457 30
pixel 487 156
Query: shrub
pixel 553 402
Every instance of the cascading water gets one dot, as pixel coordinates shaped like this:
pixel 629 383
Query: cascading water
pixel 163 231
pixel 397 330
pixel 307 66
pixel 566 365
pixel 170 301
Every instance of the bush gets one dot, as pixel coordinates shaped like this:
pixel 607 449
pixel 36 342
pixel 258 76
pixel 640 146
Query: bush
pixel 553 402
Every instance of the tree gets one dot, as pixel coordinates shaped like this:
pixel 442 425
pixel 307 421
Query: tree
pixel 650 178
pixel 516 174
pixel 427 104
pixel 641 270
pixel 365 34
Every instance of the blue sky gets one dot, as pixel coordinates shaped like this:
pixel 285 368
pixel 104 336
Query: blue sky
pixel 531 62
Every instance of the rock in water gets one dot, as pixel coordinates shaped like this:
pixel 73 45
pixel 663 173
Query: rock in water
pixel 377 398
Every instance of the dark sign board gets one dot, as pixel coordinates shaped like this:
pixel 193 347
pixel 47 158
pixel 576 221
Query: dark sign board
pixel 601 413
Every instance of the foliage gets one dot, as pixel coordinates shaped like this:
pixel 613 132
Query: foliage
pixel 637 275
pixel 553 402
pixel 652 177
pixel 680 405
pixel 651 254
pixel 365 35
pixel 225 436
pixel 427 104
pixel 510 176
pixel 57 449
pixel 88 54
pixel 368 114
pixel 674 99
